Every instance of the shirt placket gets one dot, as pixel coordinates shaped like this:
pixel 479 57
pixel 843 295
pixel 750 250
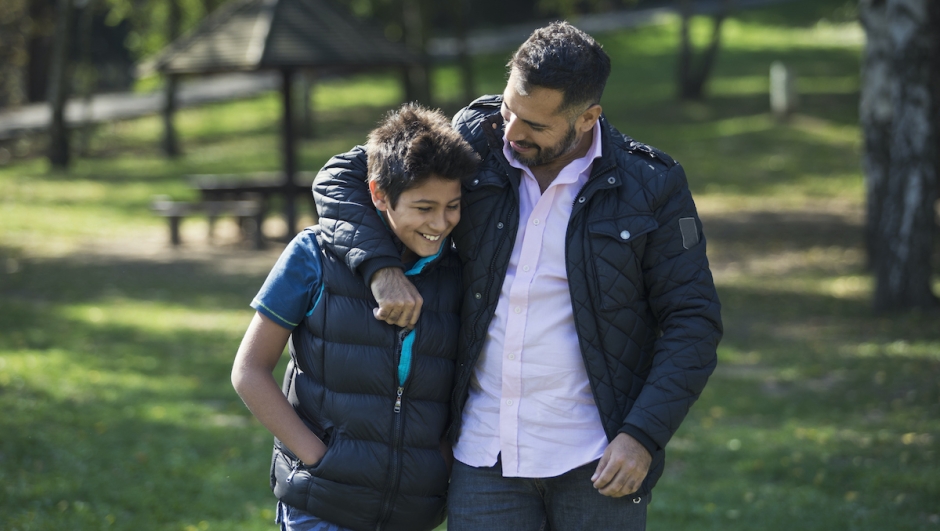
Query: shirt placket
pixel 512 375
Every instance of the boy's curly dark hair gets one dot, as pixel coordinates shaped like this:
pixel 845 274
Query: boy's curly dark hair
pixel 413 143
pixel 562 57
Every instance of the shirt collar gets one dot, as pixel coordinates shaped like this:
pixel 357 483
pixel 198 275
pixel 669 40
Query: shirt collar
pixel 575 168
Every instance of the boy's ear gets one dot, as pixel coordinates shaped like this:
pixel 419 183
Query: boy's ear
pixel 379 197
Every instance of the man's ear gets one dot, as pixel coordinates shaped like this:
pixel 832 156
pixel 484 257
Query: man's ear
pixel 379 197
pixel 585 122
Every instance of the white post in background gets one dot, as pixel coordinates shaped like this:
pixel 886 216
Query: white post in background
pixel 783 97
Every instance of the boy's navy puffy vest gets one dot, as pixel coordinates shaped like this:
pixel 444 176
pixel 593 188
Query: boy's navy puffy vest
pixel 383 468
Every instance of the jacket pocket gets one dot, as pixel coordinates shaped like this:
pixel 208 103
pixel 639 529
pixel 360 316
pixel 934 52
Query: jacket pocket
pixel 616 248
pixel 290 477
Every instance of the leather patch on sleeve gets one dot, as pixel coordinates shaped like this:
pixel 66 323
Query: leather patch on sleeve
pixel 689 231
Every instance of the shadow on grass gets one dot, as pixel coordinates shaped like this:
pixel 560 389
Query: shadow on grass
pixel 113 415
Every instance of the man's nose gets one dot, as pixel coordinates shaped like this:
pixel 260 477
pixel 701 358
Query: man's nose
pixel 512 132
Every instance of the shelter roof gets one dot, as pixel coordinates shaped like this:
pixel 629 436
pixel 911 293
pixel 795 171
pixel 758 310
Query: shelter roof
pixel 273 34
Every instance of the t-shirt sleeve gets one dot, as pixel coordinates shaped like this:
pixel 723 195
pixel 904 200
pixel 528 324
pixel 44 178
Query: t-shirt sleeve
pixel 290 291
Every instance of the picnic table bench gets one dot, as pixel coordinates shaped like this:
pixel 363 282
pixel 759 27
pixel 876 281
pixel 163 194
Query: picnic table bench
pixel 246 198
pixel 248 212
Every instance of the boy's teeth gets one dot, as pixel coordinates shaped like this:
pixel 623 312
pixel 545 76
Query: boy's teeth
pixel 432 238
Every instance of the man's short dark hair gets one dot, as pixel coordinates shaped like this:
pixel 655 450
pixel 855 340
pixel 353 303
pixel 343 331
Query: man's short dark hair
pixel 562 57
pixel 413 143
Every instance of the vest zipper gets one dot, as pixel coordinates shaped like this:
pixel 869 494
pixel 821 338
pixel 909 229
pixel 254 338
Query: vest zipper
pixel 397 435
pixel 293 470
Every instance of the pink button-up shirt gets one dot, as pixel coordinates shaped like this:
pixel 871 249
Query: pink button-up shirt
pixel 530 398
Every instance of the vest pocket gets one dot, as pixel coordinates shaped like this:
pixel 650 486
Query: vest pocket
pixel 616 247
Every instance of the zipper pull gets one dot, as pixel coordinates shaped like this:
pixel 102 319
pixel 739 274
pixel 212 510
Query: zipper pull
pixel 293 471
pixel 398 399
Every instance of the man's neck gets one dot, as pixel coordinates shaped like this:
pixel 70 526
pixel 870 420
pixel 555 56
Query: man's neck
pixel 546 173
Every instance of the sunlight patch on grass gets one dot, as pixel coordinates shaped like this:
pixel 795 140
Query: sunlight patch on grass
pixel 339 93
pixel 857 287
pixel 826 131
pixel 742 35
pixel 738 85
pixel 154 316
pixel 927 350
pixel 76 383
pixel 827 85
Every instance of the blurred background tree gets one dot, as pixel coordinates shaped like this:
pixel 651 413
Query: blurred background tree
pixel 693 73
pixel 900 118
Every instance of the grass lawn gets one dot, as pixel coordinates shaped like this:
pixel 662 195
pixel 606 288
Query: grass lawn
pixel 115 349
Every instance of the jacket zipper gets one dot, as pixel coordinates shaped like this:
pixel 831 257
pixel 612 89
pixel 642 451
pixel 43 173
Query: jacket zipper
pixel 574 206
pixel 397 437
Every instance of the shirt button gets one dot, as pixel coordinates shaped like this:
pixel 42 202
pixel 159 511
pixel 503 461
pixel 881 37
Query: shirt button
pixel 525 268
pixel 625 235
pixel 478 295
pixel 535 222
pixel 499 225
pixel 518 310
pixel 509 402
pixel 611 180
pixel 582 199
pixel 512 356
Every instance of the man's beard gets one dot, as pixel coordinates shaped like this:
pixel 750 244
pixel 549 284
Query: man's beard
pixel 548 154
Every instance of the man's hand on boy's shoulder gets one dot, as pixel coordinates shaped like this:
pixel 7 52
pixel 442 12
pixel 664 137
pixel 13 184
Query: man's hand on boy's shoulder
pixel 399 300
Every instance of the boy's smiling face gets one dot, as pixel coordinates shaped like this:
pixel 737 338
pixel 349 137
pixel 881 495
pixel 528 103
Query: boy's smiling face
pixel 423 216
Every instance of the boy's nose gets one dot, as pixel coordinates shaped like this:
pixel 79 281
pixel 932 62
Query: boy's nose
pixel 438 222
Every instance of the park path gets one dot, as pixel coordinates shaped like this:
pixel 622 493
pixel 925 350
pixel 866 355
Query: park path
pixel 109 107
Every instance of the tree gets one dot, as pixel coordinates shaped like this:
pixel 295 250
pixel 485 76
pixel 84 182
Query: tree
pixel 59 81
pixel 900 118
pixel 13 57
pixel 693 73
pixel 171 146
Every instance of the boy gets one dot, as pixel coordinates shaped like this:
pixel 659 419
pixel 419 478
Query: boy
pixel 359 424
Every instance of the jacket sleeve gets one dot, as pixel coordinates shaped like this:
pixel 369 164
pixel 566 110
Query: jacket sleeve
pixel 349 223
pixel 682 296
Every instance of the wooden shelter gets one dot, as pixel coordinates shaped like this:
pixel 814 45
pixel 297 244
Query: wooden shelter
pixel 283 35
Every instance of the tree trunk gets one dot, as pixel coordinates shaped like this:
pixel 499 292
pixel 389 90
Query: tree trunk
pixel 288 151
pixel 40 28
pixel 170 143
pixel 902 217
pixel 59 87
pixel 692 77
pixel 461 9
pixel 87 76
pixel 875 111
pixel 419 78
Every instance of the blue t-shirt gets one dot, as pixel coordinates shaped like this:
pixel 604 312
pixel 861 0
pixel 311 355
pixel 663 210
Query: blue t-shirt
pixel 293 285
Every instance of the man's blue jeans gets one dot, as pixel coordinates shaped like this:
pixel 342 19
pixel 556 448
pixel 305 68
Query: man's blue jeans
pixel 482 499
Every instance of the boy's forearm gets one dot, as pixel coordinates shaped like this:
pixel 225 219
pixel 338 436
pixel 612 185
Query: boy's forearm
pixel 252 379
pixel 267 403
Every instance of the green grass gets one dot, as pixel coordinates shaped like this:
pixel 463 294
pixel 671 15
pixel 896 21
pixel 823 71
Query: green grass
pixel 115 349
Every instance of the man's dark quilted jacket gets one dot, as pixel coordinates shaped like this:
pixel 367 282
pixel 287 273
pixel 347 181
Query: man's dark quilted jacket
pixel 643 298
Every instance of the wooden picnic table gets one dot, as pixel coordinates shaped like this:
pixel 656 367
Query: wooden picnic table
pixel 261 187
pixel 244 196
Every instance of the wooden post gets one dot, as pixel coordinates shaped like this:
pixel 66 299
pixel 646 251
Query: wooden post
pixel 783 98
pixel 59 81
pixel 289 157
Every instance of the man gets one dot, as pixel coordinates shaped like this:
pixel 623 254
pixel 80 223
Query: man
pixel 590 320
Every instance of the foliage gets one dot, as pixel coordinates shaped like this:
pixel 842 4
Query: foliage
pixel 115 350
pixel 149 20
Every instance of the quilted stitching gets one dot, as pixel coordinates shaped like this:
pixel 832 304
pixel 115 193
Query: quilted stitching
pixel 646 309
